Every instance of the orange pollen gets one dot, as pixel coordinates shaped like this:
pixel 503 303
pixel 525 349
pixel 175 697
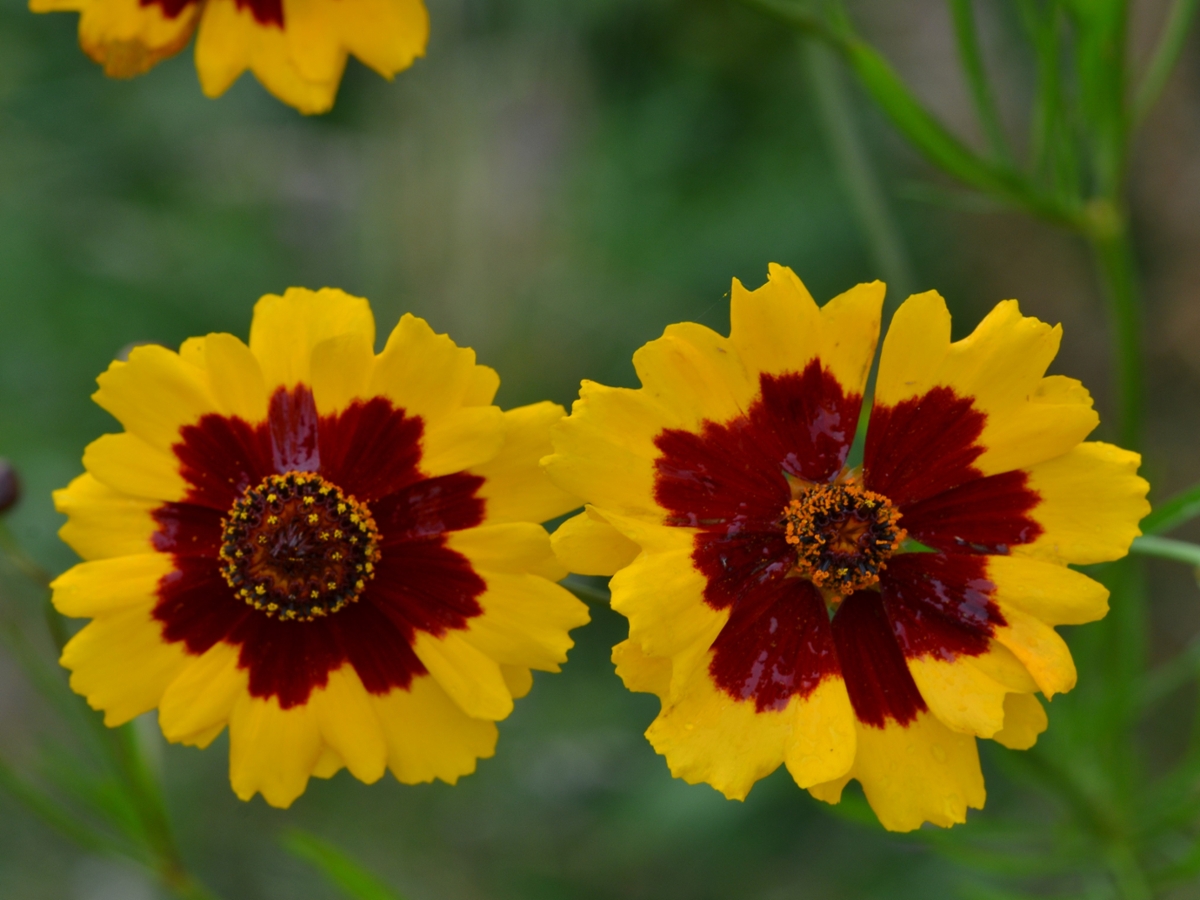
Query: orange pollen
pixel 843 535
pixel 296 548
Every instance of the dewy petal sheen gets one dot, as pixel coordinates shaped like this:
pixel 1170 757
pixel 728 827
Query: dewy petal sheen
pixel 866 622
pixel 334 553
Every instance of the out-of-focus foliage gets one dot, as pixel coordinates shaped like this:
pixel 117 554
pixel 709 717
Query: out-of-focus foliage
pixel 557 181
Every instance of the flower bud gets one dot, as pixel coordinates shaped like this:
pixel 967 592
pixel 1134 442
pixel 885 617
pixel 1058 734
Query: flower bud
pixel 10 486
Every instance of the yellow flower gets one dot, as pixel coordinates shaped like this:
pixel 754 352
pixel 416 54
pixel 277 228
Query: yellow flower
pixel 864 622
pixel 333 552
pixel 296 48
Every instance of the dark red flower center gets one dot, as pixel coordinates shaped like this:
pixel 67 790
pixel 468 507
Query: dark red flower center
pixel 780 532
pixel 843 535
pixel 296 547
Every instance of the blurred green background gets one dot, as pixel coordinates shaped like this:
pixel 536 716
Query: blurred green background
pixel 556 182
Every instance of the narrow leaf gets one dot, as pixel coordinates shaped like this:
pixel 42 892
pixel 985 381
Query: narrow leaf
pixel 341 870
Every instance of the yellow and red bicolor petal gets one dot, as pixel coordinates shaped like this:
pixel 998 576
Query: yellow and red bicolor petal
pixel 947 412
pixel 778 329
pixel 129 37
pixel 981 453
pixel 233 38
pixel 298 48
pixel 731 742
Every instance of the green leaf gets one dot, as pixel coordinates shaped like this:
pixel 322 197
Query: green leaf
pixel 1179 509
pixel 340 869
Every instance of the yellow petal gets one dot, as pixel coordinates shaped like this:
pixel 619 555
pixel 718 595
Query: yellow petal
pixel 328 764
pixel 515 547
pixel 588 545
pixel 525 622
pixel 468 675
pixel 921 772
pixel 823 742
pixel 128 464
pixel 102 522
pixel 778 328
pixel 1091 502
pixel 468 436
pixel 517 488
pixel 110 585
pixel 128 37
pixel 287 329
pixel 1052 592
pixel 313 44
pixel 341 371
pixel 518 679
pixel 155 395
pixel 1024 720
pixel 696 373
pixel 202 697
pixel 230 41
pixel 121 663
pixel 482 387
pixel 961 695
pixel 1040 648
pixel 661 594
pixel 1001 665
pixel 349 725
pixel 272 751
pixel 604 452
pixel 642 673
pixel 425 374
pixel 707 736
pixel 429 736
pixel 386 35
pixel 235 378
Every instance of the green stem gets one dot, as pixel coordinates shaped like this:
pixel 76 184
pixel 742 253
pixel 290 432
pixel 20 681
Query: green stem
pixel 1108 232
pixel 26 564
pixel 1171 514
pixel 853 163
pixel 971 57
pixel 1167 548
pixel 1171 675
pixel 1166 55
pixel 588 593
pixel 62 820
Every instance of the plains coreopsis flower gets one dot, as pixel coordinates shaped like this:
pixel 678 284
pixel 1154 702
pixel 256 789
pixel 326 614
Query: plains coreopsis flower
pixel 333 552
pixel 296 48
pixel 849 621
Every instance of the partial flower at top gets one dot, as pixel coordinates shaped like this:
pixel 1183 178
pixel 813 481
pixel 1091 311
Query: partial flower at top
pixel 335 553
pixel 296 48
pixel 863 622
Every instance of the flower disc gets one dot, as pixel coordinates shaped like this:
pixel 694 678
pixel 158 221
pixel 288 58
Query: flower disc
pixel 295 547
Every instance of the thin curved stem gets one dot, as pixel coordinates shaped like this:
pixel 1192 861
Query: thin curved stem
pixel 971 56
pixel 1166 55
pixel 1109 236
pixel 1167 548
pixel 853 162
